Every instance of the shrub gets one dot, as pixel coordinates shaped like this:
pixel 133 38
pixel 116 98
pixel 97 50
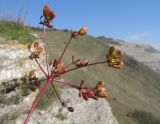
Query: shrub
pixel 143 117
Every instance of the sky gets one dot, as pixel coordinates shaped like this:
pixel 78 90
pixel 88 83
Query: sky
pixel 135 21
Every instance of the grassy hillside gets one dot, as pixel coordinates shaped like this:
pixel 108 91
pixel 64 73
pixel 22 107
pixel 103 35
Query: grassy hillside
pixel 12 30
pixel 134 87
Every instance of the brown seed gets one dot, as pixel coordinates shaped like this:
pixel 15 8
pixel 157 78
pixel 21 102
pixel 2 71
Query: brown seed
pixel 71 109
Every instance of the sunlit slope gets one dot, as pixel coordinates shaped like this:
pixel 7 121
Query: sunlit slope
pixel 134 87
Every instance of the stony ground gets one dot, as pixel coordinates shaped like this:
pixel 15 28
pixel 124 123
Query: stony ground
pixel 85 112
pixel 15 62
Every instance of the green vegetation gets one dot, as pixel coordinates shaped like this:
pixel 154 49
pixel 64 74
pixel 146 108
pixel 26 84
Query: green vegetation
pixel 135 86
pixel 143 117
pixel 15 31
pixel 24 89
pixel 15 99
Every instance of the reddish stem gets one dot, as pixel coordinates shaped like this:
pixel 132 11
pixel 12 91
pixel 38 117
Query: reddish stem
pixel 69 65
pixel 56 92
pixel 50 81
pixel 95 63
pixel 65 47
pixel 69 84
pixel 41 67
pixel 37 99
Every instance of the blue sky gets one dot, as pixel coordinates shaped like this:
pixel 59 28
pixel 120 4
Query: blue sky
pixel 131 20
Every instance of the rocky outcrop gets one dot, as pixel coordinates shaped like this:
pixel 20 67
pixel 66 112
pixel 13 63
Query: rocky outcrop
pixel 15 62
pixel 9 112
pixel 85 112
pixel 143 53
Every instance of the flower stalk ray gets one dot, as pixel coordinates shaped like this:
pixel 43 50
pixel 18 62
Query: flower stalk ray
pixel 57 68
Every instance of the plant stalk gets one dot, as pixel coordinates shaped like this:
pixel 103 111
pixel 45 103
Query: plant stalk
pixel 37 99
pixel 65 48
pixel 45 47
pixel 41 67
pixel 49 80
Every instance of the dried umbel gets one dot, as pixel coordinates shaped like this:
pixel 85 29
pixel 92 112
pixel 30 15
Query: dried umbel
pixel 83 31
pixel 35 50
pixel 98 92
pixel 101 90
pixel 32 81
pixel 115 58
pixel 48 16
pixel 57 68
pixel 82 62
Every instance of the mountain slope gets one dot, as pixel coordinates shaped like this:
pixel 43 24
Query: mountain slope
pixel 136 86
pixel 143 53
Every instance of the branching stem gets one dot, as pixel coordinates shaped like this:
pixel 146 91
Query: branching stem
pixel 65 48
pixel 51 77
pixel 95 63
pixel 47 78
pixel 56 93
pixel 41 67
